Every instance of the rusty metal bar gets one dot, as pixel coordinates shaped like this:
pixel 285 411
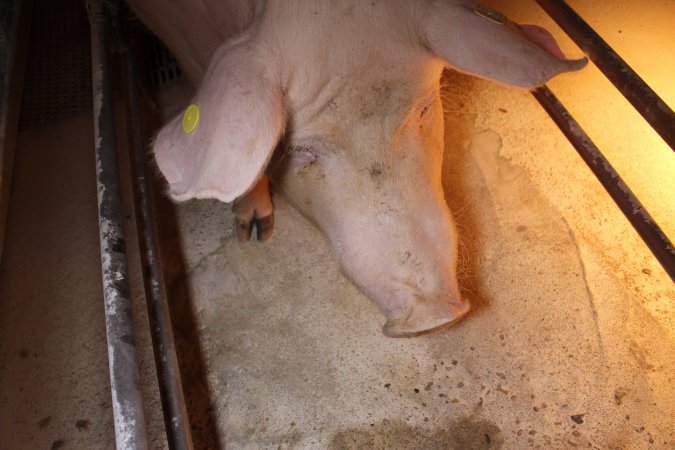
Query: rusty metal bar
pixel 642 221
pixel 168 372
pixel 637 92
pixel 127 402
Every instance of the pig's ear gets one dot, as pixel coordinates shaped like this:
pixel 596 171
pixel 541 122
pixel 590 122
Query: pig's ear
pixel 480 41
pixel 220 146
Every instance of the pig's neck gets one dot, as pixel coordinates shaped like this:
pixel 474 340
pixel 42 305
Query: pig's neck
pixel 329 55
pixel 333 101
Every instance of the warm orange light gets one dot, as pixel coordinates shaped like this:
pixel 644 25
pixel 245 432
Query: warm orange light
pixel 642 33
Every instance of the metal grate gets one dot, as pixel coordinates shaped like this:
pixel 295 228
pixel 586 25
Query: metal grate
pixel 58 73
pixel 160 67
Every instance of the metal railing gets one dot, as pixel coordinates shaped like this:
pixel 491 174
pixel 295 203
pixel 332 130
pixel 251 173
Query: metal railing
pixel 127 402
pixel 171 391
pixel 643 99
pixel 637 92
pixel 129 418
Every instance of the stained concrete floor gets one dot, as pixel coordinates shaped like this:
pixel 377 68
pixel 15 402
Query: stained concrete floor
pixel 571 344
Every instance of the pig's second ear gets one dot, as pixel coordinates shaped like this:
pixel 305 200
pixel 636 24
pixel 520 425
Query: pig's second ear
pixel 477 40
pixel 220 146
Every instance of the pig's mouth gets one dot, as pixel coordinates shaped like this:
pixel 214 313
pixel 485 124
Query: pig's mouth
pixel 424 316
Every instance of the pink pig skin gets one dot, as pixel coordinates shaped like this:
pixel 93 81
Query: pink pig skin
pixel 348 94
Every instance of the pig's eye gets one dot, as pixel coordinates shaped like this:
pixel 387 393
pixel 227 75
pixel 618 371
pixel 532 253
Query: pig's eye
pixel 425 109
pixel 302 155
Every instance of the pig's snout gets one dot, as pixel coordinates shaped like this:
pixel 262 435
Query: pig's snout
pixel 424 315
pixel 416 294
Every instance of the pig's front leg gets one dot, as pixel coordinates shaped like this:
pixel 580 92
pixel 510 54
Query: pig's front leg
pixel 255 208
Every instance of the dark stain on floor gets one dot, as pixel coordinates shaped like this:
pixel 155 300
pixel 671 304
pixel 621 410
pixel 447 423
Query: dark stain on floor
pixel 470 433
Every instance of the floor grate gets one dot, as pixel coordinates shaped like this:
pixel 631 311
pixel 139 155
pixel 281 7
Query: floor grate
pixel 58 73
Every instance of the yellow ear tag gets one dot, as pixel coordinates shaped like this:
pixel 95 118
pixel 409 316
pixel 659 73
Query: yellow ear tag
pixel 191 118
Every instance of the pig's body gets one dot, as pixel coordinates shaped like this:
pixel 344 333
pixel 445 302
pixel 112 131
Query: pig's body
pixel 348 94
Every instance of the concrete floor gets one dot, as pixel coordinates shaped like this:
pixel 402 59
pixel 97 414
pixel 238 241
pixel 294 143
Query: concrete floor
pixel 571 343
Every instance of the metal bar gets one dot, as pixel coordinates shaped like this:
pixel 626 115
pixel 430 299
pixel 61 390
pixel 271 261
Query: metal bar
pixel 129 418
pixel 637 92
pixel 631 207
pixel 166 361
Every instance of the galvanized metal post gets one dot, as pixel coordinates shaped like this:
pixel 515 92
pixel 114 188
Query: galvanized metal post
pixel 637 215
pixel 129 418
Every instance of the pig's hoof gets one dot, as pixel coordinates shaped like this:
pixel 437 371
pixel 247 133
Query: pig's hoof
pixel 425 316
pixel 255 209
pixel 244 228
pixel 264 227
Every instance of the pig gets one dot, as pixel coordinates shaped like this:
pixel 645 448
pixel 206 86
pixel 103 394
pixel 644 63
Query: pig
pixel 337 102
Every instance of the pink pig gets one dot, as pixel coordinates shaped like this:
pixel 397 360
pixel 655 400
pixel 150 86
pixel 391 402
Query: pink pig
pixel 347 93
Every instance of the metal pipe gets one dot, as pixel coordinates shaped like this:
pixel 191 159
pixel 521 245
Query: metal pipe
pixel 631 207
pixel 637 92
pixel 129 418
pixel 168 372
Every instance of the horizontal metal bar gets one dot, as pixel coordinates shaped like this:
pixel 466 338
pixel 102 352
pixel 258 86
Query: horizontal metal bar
pixel 631 207
pixel 637 92
pixel 129 418
pixel 171 390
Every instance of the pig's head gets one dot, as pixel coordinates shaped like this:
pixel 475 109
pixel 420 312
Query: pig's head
pixel 359 139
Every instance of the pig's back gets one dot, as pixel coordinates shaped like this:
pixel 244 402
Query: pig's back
pixel 193 29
